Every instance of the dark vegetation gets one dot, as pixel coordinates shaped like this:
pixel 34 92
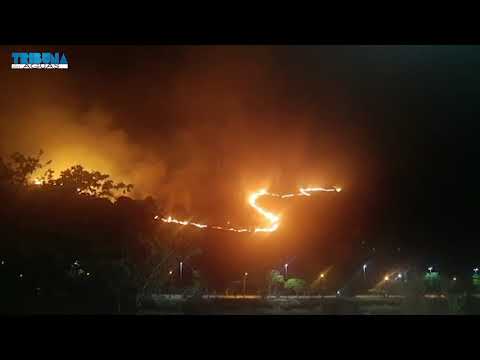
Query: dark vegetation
pixel 77 244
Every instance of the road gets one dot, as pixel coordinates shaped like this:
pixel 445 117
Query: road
pixel 299 297
pixel 284 297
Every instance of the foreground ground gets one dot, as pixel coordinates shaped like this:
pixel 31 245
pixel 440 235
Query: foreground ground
pixel 313 305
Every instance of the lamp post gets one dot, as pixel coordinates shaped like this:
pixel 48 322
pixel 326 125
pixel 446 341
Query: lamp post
pixel 386 278
pixel 286 271
pixel 322 281
pixel 245 284
pixel 181 270
pixel 170 274
pixel 365 272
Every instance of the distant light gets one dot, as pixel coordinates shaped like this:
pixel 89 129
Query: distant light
pixel 476 269
pixel 338 189
pixel 386 278
pixel 170 272
pixel 21 275
pixel 430 268
pixel 78 189
pixel 364 267
pixel 399 276
pixel 338 292
pixel 286 265
pixel 454 278
pixel 155 217
pixel 88 274
pixel 246 274
pixel 3 262
pixel 322 276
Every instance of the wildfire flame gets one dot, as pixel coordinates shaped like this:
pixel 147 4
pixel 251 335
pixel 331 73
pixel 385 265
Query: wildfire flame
pixel 273 219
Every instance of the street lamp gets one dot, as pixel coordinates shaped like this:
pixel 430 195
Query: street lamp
pixel 454 278
pixel 364 272
pixel 322 277
pixel 170 273
pixel 430 269
pixel 286 270
pixel 475 270
pixel 386 278
pixel 181 270
pixel 245 283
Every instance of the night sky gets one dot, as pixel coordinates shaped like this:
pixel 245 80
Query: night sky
pixel 199 127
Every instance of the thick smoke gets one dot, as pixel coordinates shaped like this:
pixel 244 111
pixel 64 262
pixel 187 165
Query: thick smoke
pixel 192 127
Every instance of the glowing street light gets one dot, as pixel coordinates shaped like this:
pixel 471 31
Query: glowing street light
pixel 170 273
pixel 365 271
pixel 399 276
pixel 386 278
pixel 322 280
pixel 475 270
pixel 286 270
pixel 430 269
pixel 245 283
pixel 181 270
pixel 454 278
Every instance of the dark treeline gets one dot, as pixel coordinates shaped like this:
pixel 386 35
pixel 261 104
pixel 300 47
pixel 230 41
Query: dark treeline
pixel 77 243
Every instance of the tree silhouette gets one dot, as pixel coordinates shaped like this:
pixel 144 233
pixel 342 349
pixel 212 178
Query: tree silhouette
pixel 18 168
pixel 77 179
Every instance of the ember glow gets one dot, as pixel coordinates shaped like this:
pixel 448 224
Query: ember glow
pixel 272 219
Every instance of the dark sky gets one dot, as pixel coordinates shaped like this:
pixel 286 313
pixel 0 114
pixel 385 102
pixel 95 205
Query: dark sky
pixel 198 127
